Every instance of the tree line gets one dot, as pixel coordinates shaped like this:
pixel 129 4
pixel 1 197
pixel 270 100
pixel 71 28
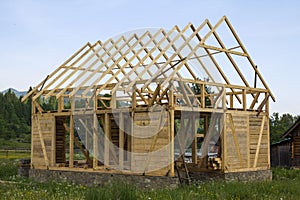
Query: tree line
pixel 15 119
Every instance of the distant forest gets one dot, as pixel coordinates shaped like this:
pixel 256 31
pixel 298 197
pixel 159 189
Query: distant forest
pixel 15 120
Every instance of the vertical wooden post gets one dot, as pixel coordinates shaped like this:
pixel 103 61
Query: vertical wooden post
pixel 202 96
pixel 60 104
pixel 134 98
pixel 71 147
pixel 172 131
pixel 194 145
pixel 248 142
pixel 33 124
pixel 95 141
pixel 53 142
pixel 267 103
pixel 87 137
pixel 206 125
pixel 224 98
pixel 121 140
pixel 268 140
pixel 244 99
pixel 113 101
pixel 107 139
pixel 224 143
pixel 231 101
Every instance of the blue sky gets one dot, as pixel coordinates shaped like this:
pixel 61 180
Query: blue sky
pixel 37 35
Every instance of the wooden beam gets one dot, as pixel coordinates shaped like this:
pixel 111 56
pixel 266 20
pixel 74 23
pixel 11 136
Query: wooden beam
pixel 171 131
pixel 105 62
pixel 42 141
pixel 212 30
pixel 38 106
pixel 244 100
pixel 133 70
pixel 71 147
pixel 70 76
pixel 156 92
pixel 95 141
pixel 227 54
pixel 254 100
pixel 128 61
pixel 248 143
pixel 176 53
pixel 53 143
pixel 235 140
pixel 159 55
pixel 121 140
pixel 106 139
pixel 259 141
pixel 61 74
pixel 216 64
pixel 249 58
pixel 118 60
pixel 185 96
pixel 54 72
pixel 194 144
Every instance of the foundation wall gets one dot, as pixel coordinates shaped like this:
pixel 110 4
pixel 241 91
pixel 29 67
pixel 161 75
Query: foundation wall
pixel 100 179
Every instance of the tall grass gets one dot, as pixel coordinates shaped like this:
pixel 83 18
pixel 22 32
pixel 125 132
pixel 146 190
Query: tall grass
pixel 285 185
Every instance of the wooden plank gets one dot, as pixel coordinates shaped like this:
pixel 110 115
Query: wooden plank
pixel 99 68
pixel 128 61
pixel 254 100
pixel 117 61
pixel 185 96
pixel 42 141
pixel 53 73
pixel 212 29
pixel 159 55
pixel 154 96
pixel 194 144
pixel 74 70
pixel 183 61
pixel 171 132
pixel 259 141
pixel 95 141
pixel 249 58
pixel 53 143
pixel 133 70
pixel 107 139
pixel 235 139
pixel 227 54
pixel 60 75
pixel 71 147
pixel 121 141
pixel 38 106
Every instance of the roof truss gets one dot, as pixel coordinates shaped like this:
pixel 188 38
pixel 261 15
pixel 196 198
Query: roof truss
pixel 150 56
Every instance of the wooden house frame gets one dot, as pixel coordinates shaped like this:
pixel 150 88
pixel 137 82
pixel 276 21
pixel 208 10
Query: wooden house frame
pixel 123 78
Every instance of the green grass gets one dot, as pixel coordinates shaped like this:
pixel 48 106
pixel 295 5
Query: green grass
pixel 285 185
pixel 13 144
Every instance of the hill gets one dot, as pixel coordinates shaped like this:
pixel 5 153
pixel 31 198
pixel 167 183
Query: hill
pixel 16 92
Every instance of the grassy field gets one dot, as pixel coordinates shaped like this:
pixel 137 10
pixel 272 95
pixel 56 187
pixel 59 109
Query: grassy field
pixel 285 185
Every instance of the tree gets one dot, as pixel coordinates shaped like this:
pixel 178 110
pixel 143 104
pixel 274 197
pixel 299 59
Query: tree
pixel 196 88
pixel 280 124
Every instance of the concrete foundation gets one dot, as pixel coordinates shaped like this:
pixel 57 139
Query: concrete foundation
pixel 100 179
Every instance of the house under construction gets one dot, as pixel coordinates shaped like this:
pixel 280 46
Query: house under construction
pixel 154 102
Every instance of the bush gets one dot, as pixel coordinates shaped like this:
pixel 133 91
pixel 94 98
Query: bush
pixel 8 168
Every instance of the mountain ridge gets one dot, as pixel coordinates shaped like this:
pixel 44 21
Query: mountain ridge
pixel 13 90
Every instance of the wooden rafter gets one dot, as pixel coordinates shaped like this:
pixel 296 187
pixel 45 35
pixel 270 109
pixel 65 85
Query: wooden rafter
pixel 149 55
